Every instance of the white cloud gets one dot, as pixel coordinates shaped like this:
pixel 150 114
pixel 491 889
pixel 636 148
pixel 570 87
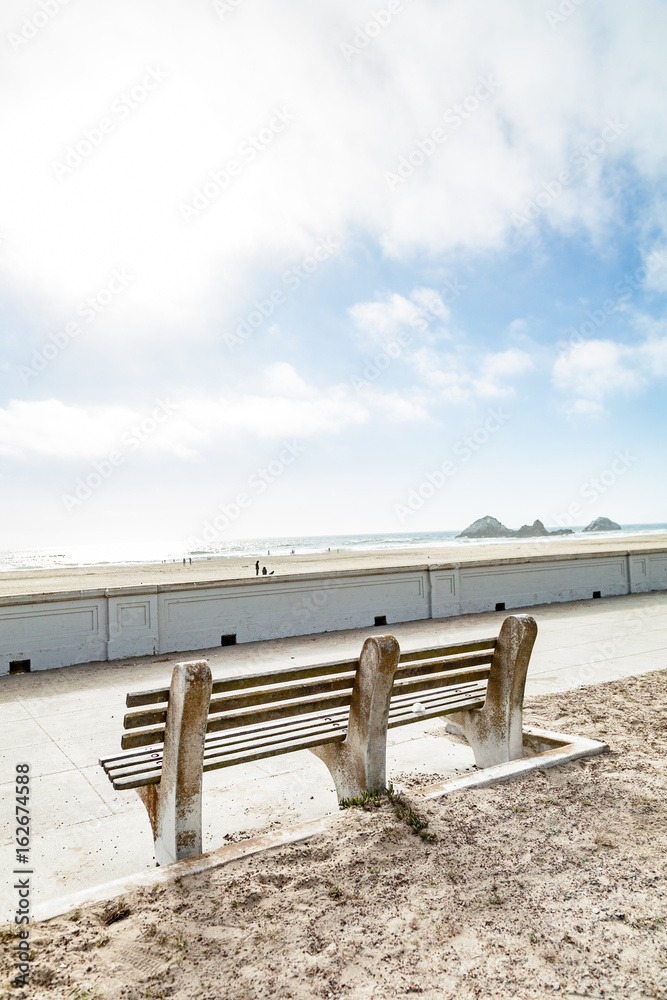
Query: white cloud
pixel 187 428
pixel 654 355
pixel 458 376
pixel 54 429
pixel 654 260
pixel 496 370
pixel 430 302
pixel 283 378
pixel 399 408
pixel 592 371
pixel 324 172
pixel 381 321
pixel 595 368
pixel 504 364
pixel 584 408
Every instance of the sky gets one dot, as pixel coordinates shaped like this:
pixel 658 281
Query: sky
pixel 292 269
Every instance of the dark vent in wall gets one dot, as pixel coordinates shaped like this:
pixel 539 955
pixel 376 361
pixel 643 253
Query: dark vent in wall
pixel 597 593
pixel 500 606
pixel 19 666
pixel 380 619
pixel 228 640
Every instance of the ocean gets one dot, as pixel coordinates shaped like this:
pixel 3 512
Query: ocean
pixel 112 554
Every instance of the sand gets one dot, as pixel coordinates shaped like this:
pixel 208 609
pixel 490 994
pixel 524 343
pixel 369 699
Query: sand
pixel 550 885
pixel 44 581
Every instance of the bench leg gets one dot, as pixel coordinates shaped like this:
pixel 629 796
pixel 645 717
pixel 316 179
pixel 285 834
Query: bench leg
pixel 495 732
pixel 174 805
pixel 360 762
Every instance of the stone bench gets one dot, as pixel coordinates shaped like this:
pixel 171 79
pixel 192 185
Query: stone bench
pixel 340 711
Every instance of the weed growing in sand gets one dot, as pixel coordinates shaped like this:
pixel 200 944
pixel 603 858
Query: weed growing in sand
pixel 335 892
pixel 494 898
pixel 85 993
pixel 369 798
pixel 404 810
pixel 74 915
pixel 9 931
pixel 372 798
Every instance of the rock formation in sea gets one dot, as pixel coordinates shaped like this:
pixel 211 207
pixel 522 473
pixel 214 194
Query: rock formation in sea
pixel 534 530
pixel 602 524
pixel 486 527
pixel 491 527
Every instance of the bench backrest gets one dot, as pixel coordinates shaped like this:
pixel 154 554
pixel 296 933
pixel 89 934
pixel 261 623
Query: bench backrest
pixel 451 677
pixel 248 700
pixel 252 699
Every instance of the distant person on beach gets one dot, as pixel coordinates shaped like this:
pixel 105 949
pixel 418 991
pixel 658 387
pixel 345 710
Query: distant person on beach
pixel 263 570
pixel 257 568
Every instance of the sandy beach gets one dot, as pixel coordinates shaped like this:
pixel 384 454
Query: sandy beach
pixel 45 581
pixel 552 884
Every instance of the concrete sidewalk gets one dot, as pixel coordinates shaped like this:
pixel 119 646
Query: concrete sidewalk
pixel 61 721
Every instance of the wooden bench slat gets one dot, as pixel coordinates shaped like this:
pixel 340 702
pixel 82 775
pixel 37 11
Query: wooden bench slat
pixel 441 680
pixel 137 699
pixel 265 695
pixel 456 647
pixel 233 720
pixel 336 722
pixel 153 777
pixel 423 668
pixel 156 696
pixel 399 702
pixel 261 728
pixel 406 716
pixel 271 691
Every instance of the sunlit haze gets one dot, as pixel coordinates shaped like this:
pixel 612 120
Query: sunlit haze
pixel 291 262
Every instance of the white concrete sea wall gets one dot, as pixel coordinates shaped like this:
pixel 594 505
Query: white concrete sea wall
pixel 53 633
pixel 39 632
pixel 197 618
pixel 526 584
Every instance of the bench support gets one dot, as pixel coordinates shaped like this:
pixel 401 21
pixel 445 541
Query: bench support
pixel 495 732
pixel 360 762
pixel 174 805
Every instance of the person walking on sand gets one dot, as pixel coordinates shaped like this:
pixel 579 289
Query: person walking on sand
pixel 263 570
pixel 257 568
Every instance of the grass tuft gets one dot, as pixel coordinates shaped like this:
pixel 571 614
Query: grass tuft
pixel 372 798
